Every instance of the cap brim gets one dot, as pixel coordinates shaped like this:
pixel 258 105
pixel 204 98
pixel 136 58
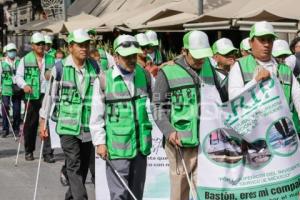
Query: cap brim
pixel 282 52
pixel 201 53
pixel 226 51
pixel 153 43
pixel 128 51
pixel 263 34
pixel 144 43
pixel 11 49
pixel 81 40
pixel 37 41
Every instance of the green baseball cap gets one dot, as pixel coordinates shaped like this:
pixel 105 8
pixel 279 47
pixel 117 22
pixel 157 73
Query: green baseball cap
pixel 142 39
pixel 126 45
pixel 197 43
pixel 37 37
pixel 223 46
pixel 262 28
pixel 78 36
pixel 245 45
pixel 152 37
pixel 281 47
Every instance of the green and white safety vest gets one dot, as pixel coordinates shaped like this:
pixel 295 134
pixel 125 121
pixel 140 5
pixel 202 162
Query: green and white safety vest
pixel 103 59
pixel 285 75
pixel 8 72
pixel 128 129
pixel 32 73
pixel 185 100
pixel 74 111
pixel 51 52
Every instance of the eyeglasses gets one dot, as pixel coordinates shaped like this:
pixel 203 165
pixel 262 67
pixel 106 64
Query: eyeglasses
pixel 40 43
pixel 145 47
pixel 128 44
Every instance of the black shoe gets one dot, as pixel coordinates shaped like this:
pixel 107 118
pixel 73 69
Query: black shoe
pixel 17 133
pixel 64 180
pixel 5 134
pixel 29 156
pixel 49 159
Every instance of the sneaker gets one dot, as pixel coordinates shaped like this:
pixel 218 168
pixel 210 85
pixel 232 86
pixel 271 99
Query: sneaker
pixel 29 157
pixel 5 134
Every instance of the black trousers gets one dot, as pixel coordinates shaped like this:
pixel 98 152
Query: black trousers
pixel 77 156
pixel 31 124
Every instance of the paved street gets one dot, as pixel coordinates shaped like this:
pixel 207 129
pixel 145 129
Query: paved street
pixel 17 183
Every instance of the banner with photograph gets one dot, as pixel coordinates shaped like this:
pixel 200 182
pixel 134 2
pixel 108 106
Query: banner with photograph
pixel 249 146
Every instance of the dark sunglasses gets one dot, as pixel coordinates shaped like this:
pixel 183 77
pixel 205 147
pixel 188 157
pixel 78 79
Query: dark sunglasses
pixel 40 43
pixel 128 44
pixel 145 47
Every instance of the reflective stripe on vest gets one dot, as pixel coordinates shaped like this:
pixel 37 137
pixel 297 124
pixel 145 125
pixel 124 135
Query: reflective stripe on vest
pixel 73 110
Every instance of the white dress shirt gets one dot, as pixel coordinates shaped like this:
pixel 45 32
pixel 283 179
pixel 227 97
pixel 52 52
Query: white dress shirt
pixel 97 120
pixel 20 76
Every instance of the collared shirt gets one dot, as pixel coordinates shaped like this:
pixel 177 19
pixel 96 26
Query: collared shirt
pixel 97 120
pixel 50 96
pixel 236 84
pixel 20 75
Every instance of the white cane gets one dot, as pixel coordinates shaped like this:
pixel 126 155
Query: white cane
pixel 9 121
pixel 191 185
pixel 38 170
pixel 22 134
pixel 121 179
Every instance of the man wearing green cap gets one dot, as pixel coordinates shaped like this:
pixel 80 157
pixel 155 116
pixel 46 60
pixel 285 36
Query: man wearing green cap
pixel 157 57
pixel 119 122
pixel 48 46
pixel 71 89
pixel 224 55
pixel 31 77
pixel 245 47
pixel 8 89
pixel 260 64
pixel 176 110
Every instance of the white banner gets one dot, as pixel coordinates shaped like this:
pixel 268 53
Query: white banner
pixel 157 185
pixel 249 146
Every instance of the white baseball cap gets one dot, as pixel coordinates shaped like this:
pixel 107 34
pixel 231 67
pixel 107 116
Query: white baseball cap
pixel 79 36
pixel 223 46
pixel 197 43
pixel 142 39
pixel 48 39
pixel 262 28
pixel 126 45
pixel 37 37
pixel 281 47
pixel 152 37
pixel 10 46
pixel 245 45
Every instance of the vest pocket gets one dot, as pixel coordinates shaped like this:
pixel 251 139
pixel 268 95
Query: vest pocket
pixel 121 141
pixel 145 138
pixel 69 120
